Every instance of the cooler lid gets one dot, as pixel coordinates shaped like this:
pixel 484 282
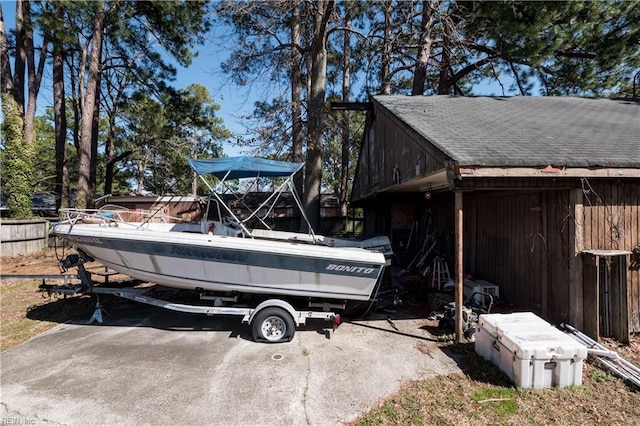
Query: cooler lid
pixel 493 323
pixel 542 344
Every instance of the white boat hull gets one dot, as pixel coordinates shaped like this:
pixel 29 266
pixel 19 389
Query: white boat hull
pixel 229 264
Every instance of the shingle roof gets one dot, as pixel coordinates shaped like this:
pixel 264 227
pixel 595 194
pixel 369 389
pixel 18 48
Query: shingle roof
pixel 525 131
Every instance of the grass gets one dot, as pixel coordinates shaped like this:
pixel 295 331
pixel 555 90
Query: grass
pixel 483 395
pixel 499 401
pixel 25 313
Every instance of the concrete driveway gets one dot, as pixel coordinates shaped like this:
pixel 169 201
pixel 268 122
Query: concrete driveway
pixel 148 366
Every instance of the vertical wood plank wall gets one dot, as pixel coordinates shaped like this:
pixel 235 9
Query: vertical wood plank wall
pixel 612 222
pixel 523 240
pixel 400 151
pixel 520 242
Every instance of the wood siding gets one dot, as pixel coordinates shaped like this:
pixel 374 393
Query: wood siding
pixel 23 236
pixel 524 240
pixel 392 154
pixel 520 242
pixel 612 222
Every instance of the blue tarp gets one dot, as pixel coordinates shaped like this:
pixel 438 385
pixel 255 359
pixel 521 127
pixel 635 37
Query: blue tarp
pixel 243 167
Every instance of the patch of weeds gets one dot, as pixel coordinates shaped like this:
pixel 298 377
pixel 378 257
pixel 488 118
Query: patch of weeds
pixel 389 411
pixel 440 420
pixel 371 419
pixel 600 376
pixel 446 338
pixel 573 391
pixel 414 414
pixel 305 352
pixel 501 401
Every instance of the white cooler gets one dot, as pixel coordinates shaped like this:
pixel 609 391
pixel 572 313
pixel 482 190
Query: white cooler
pixel 532 352
pixel 490 326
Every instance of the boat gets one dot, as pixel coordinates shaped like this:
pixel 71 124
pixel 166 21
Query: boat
pixel 222 253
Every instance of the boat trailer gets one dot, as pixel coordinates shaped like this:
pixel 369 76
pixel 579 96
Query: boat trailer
pixel 272 320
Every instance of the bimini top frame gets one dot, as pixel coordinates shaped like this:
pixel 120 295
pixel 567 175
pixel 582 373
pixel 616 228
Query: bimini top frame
pixel 233 168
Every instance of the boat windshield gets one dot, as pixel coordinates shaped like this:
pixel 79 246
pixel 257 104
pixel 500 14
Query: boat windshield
pixel 213 210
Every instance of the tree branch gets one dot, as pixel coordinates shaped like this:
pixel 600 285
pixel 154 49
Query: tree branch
pixel 571 54
pixel 468 69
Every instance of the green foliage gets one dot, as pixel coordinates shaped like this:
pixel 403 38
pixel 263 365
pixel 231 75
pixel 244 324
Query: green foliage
pixel 571 48
pixel 17 164
pixel 163 134
pixel 600 376
pixel 550 48
pixel 501 401
pixel 332 158
pixel 45 172
pixel 179 24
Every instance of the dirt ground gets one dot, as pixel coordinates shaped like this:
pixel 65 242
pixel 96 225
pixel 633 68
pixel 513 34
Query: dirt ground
pixel 44 262
pixel 25 312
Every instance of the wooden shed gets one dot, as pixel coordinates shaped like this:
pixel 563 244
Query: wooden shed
pixel 167 208
pixel 540 195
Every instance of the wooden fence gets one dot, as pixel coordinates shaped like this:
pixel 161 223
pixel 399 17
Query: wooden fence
pixel 23 236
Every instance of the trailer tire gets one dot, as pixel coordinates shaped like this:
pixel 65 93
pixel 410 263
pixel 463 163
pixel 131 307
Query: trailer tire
pixel 273 325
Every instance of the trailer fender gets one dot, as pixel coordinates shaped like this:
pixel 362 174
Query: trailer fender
pixel 298 319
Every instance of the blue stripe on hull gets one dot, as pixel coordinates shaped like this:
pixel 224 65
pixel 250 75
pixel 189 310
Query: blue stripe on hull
pixel 236 287
pixel 295 275
pixel 239 257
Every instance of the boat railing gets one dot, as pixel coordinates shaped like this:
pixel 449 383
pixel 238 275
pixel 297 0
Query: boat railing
pixel 112 215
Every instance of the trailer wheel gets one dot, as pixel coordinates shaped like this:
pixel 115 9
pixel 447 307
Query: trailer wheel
pixel 273 325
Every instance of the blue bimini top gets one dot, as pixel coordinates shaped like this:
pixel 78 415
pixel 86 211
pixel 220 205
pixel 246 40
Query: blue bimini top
pixel 243 167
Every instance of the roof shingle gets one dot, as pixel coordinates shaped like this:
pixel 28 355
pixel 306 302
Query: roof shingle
pixel 525 131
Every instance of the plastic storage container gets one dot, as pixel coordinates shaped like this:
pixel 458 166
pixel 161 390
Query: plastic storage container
pixel 480 286
pixel 533 353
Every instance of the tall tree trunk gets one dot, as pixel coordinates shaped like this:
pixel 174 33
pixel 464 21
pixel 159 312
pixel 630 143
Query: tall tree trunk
pixel 313 172
pixel 296 98
pixel 20 58
pixel 111 154
pixel 93 170
pixel 60 119
pixel 5 66
pixel 424 53
pixel 385 71
pixel 444 81
pixel 85 196
pixel 346 88
pixel 142 169
pixel 34 75
pixel 110 173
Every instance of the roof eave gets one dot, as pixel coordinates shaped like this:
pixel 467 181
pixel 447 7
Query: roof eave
pixel 463 172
